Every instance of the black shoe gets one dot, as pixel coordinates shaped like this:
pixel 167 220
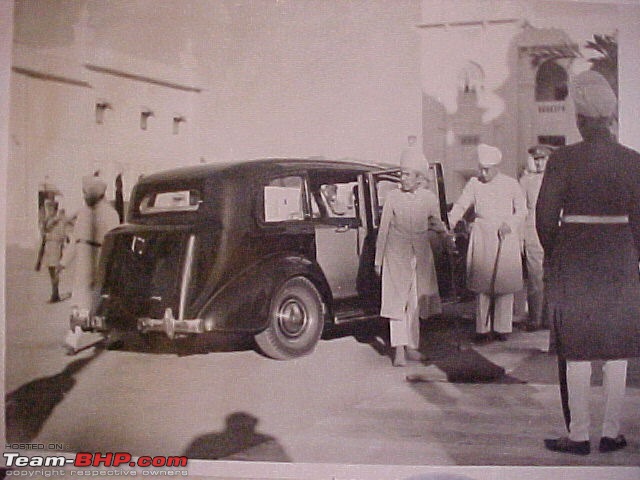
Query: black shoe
pixel 608 444
pixel 565 445
pixel 501 337
pixel 482 338
pixel 55 299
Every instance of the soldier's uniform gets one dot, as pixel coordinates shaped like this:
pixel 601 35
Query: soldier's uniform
pixel 588 220
pixel 55 233
pixel 530 183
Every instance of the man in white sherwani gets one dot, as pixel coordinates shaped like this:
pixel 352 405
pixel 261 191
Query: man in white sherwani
pixel 93 221
pixel 405 260
pixel 494 262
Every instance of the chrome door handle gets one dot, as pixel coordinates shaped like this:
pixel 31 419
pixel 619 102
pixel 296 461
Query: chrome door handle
pixel 342 229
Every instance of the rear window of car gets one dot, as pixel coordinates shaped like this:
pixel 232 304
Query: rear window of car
pixel 171 201
pixel 284 199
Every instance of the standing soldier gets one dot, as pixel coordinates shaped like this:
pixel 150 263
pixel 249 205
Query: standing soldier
pixel 55 234
pixel 588 220
pixel 530 182
pixel 494 259
pixel 93 221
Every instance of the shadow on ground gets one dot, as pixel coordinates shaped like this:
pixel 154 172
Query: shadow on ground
pixel 159 343
pixel 374 333
pixel 238 441
pixel 447 343
pixel 28 407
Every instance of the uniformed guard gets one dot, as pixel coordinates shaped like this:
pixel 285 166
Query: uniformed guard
pixel 530 183
pixel 588 220
pixel 494 265
pixel 55 233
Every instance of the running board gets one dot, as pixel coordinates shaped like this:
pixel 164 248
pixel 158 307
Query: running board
pixel 349 313
pixel 355 315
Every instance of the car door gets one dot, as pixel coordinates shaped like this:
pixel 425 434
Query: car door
pixel 450 265
pixel 339 233
pixel 372 191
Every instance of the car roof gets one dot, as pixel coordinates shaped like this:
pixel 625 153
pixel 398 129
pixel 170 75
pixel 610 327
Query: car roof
pixel 258 166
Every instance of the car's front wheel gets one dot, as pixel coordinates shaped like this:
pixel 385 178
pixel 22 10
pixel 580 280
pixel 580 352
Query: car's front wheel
pixel 295 320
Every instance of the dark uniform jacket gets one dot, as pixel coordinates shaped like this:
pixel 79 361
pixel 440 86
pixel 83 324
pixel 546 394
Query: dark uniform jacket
pixel 592 283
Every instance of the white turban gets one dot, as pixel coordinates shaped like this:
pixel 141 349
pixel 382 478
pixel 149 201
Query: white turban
pixel 488 155
pixel 592 95
pixel 93 186
pixel 413 159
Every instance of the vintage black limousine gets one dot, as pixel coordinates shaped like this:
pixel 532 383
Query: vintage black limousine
pixel 275 248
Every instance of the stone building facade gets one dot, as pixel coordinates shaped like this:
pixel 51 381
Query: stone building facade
pixel 135 86
pixel 496 72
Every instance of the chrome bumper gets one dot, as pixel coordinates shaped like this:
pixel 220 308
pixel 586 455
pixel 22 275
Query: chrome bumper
pixel 171 326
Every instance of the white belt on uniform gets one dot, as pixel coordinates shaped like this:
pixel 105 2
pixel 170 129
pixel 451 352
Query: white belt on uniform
pixel 595 219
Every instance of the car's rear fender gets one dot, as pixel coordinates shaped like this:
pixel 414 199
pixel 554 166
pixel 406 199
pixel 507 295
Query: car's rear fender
pixel 242 304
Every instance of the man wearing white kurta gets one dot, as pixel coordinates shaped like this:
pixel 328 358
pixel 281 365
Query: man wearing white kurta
pixel 405 260
pixel 494 265
pixel 93 221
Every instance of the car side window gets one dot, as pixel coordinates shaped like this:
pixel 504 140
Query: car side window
pixel 171 201
pixel 283 199
pixel 339 199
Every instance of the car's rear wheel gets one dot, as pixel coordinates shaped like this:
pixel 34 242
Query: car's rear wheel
pixel 295 320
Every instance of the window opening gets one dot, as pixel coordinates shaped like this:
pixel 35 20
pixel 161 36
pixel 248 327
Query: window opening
pixel 551 82
pixel 283 199
pixel 171 201
pixel 471 78
pixel 338 199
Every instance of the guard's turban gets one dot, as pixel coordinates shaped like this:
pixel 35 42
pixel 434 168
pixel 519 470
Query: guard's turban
pixel 488 155
pixel 93 186
pixel 592 95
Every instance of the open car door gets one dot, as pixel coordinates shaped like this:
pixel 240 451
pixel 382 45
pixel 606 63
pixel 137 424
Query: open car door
pixel 338 237
pixel 450 263
pixel 372 190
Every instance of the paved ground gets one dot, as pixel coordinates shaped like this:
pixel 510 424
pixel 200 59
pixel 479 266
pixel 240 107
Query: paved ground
pixel 342 409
